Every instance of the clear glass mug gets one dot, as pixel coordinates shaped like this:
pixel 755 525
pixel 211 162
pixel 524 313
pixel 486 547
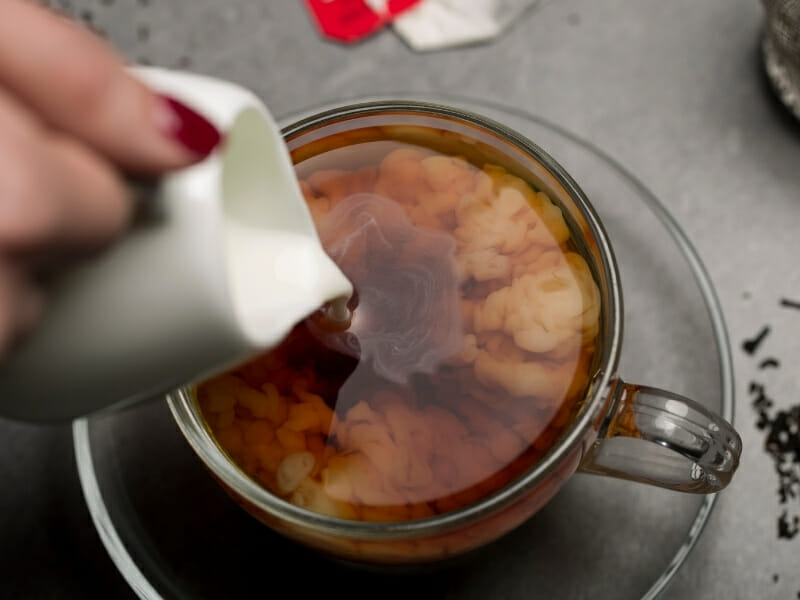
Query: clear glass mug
pixel 621 430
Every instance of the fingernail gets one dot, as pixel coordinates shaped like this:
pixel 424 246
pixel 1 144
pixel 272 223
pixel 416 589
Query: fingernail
pixel 193 131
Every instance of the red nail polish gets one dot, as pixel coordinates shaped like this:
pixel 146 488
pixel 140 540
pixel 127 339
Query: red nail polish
pixel 190 129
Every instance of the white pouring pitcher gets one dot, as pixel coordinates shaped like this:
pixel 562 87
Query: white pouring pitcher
pixel 225 264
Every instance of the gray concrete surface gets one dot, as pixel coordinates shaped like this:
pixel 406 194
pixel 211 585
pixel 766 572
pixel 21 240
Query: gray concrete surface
pixel 673 90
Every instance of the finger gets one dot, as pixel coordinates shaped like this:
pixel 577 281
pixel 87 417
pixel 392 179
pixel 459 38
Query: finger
pixel 21 305
pixel 55 193
pixel 79 86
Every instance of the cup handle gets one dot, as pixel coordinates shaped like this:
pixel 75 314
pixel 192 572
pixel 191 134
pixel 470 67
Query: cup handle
pixel 663 439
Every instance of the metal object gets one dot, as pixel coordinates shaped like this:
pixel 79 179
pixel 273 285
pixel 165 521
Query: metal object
pixel 781 50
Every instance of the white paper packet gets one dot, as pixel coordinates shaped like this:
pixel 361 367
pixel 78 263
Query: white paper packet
pixel 439 24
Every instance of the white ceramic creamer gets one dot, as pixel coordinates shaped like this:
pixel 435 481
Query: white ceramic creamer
pixel 225 263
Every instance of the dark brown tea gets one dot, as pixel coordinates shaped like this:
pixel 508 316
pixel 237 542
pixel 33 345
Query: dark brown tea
pixel 474 324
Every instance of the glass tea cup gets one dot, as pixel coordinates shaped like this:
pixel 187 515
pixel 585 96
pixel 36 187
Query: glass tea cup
pixel 614 428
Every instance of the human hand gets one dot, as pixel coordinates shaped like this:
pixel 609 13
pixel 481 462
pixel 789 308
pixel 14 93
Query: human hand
pixel 72 120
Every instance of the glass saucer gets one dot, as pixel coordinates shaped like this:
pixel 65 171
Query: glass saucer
pixel 173 532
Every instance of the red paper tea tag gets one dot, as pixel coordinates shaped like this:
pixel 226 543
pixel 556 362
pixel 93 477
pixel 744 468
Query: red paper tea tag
pixel 352 20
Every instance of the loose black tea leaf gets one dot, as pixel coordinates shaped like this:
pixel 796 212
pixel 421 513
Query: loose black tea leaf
pixel 782 440
pixel 790 303
pixel 769 363
pixel 785 529
pixel 751 345
pixel 761 403
pixel 782 443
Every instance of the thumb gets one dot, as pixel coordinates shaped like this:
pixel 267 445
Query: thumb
pixel 78 85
